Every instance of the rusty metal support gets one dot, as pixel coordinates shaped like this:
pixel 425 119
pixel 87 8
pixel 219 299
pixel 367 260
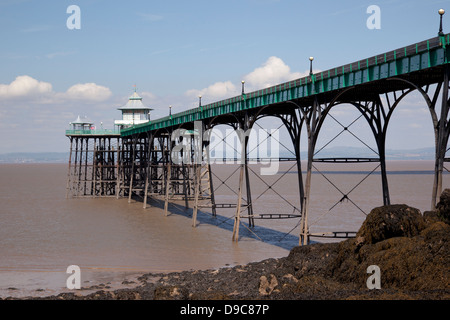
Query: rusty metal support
pixel 69 169
pixel 442 131
pixel 148 169
pixel 133 161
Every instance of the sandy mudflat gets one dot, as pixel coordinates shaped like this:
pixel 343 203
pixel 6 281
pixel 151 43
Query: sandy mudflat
pixel 412 267
pixel 411 249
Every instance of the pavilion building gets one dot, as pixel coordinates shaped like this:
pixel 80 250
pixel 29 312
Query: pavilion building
pixel 82 124
pixel 133 113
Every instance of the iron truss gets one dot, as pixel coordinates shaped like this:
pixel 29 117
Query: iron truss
pixel 146 161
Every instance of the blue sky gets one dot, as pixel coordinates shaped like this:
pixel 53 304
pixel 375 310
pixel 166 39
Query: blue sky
pixel 175 50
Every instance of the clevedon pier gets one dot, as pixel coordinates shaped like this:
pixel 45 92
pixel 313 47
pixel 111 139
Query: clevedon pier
pixel 170 159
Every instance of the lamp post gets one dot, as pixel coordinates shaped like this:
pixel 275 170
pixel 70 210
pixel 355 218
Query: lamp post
pixel 199 100
pixel 170 110
pixel 310 65
pixel 243 82
pixel 441 13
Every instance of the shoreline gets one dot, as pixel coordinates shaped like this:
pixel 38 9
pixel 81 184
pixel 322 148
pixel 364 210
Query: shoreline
pixel 414 266
pixel 410 249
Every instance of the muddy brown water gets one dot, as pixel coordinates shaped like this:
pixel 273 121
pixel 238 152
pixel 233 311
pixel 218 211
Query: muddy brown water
pixel 111 240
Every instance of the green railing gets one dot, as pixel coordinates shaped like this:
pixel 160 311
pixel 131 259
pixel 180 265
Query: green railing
pixel 419 56
pixel 95 132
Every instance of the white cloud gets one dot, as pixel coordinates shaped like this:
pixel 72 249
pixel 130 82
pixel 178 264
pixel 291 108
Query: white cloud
pixel 25 86
pixel 272 72
pixel 88 91
pixel 415 125
pixel 216 91
pixel 148 96
pixel 411 112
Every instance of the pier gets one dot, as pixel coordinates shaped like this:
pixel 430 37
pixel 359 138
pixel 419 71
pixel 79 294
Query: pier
pixel 170 158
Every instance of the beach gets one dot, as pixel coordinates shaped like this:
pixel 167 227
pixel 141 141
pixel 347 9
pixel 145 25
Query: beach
pixel 412 250
pixel 122 248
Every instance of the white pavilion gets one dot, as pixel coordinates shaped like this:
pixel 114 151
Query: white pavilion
pixel 134 112
pixel 82 124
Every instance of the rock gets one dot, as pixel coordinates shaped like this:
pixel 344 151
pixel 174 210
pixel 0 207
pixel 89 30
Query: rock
pixel 390 221
pixel 443 206
pixel 290 278
pixel 418 263
pixel 265 286
pixel 125 294
pixel 171 293
pixel 431 217
pixel 311 259
pixel 316 286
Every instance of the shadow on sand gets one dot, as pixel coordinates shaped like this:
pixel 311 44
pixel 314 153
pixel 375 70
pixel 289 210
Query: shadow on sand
pixel 260 233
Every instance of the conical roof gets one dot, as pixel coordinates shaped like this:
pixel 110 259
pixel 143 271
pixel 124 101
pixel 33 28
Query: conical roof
pixel 83 120
pixel 134 103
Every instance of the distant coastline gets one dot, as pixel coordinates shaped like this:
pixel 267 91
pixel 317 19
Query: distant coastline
pixel 411 154
pixel 34 157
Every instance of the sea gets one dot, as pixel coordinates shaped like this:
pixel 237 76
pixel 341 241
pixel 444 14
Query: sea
pixel 42 232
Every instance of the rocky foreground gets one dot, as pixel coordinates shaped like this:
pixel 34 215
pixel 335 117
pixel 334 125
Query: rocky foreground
pixel 411 249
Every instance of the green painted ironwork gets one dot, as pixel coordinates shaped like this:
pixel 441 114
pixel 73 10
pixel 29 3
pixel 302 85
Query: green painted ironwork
pixel 102 132
pixel 419 56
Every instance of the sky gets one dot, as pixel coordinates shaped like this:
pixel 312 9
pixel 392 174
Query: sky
pixel 172 51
